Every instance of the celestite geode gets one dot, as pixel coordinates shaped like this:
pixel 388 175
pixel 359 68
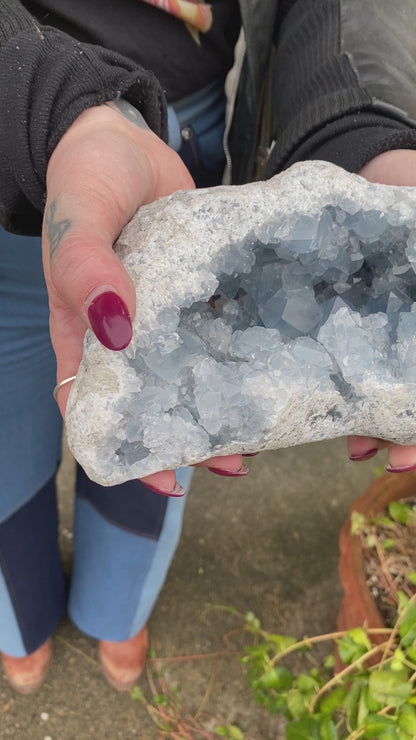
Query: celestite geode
pixel 268 315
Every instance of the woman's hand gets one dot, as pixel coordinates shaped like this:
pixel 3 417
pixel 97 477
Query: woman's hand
pixel 390 168
pixel 104 168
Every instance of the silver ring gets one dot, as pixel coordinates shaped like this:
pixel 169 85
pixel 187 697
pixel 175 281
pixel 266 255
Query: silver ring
pixel 63 382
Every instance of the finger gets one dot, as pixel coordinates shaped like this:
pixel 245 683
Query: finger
pixel 86 278
pixel 164 483
pixel 401 459
pixel 364 448
pixel 227 465
pixel 396 167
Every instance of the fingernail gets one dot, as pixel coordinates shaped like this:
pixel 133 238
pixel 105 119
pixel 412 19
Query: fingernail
pixel 110 320
pixel 364 455
pixel 400 468
pixel 250 454
pixel 176 492
pixel 230 473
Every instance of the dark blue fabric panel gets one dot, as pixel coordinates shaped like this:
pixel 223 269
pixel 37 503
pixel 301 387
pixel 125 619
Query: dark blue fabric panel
pixel 130 505
pixel 31 565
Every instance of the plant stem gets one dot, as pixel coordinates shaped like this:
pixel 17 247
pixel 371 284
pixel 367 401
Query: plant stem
pixel 308 641
pixel 345 672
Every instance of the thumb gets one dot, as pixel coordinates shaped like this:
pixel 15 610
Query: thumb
pixel 87 287
pixel 102 170
pixel 84 274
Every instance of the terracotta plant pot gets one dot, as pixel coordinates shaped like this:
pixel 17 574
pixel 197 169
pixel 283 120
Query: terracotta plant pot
pixel 358 607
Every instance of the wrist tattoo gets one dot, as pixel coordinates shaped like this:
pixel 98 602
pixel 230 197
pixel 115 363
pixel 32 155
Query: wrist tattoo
pixel 55 229
pixel 128 111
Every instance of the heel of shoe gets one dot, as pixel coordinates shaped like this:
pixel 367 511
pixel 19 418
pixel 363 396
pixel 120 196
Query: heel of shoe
pixel 26 675
pixel 122 662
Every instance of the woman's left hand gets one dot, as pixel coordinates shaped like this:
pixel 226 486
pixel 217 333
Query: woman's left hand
pixel 396 167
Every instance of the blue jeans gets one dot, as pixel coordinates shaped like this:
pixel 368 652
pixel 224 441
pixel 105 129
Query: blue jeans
pixel 124 536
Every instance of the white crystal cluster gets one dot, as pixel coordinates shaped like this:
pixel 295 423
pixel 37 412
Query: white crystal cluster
pixel 268 315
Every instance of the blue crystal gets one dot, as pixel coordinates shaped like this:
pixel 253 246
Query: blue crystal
pixel 279 337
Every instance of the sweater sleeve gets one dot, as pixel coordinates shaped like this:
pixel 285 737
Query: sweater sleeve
pixel 46 80
pixel 344 81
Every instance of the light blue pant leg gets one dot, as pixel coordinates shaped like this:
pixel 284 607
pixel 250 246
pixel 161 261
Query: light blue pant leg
pixel 30 426
pixel 30 430
pixel 118 574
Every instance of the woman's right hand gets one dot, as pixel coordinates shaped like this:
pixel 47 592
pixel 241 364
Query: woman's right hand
pixel 104 168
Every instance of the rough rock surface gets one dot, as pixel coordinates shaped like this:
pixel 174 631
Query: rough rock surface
pixel 269 315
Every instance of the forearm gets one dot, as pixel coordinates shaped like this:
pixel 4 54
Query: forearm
pixel 344 81
pixel 46 80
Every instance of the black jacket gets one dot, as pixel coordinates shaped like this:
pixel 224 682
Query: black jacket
pixel 339 76
pixel 328 79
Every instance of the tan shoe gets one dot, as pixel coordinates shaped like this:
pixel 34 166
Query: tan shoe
pixel 25 675
pixel 123 662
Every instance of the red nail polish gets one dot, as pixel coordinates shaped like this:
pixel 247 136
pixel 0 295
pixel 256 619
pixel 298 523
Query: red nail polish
pixel 365 455
pixel 229 473
pixel 250 454
pixel 110 320
pixel 401 468
pixel 176 492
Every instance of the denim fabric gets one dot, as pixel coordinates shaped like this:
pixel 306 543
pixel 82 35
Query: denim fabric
pixel 196 132
pixel 122 547
pixel 118 573
pixel 30 425
pixel 33 589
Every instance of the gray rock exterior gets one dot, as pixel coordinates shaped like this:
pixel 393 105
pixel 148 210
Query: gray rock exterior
pixel 268 315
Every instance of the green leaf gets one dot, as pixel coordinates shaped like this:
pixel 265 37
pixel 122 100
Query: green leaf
pixel 382 521
pixel 333 701
pixel 371 541
pixel 372 704
pixel 411 576
pixel 161 700
pixel 407 719
pixel 277 678
pixel 363 708
pixel 253 622
pixel 282 642
pixel 403 601
pixel 137 694
pixel 229 731
pixel 411 653
pixel 307 728
pixel 328 729
pixel 358 523
pixel 390 688
pixel 329 661
pixel 397 660
pixel 387 543
pixel 401 513
pixel 353 645
pixel 360 637
pixel 376 726
pixel 306 683
pixel 407 626
pixel 221 730
pixel 297 703
pixel 351 702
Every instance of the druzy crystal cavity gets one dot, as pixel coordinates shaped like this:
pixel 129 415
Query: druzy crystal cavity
pixel 268 315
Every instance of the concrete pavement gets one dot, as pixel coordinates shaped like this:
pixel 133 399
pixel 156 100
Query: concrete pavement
pixel 267 543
